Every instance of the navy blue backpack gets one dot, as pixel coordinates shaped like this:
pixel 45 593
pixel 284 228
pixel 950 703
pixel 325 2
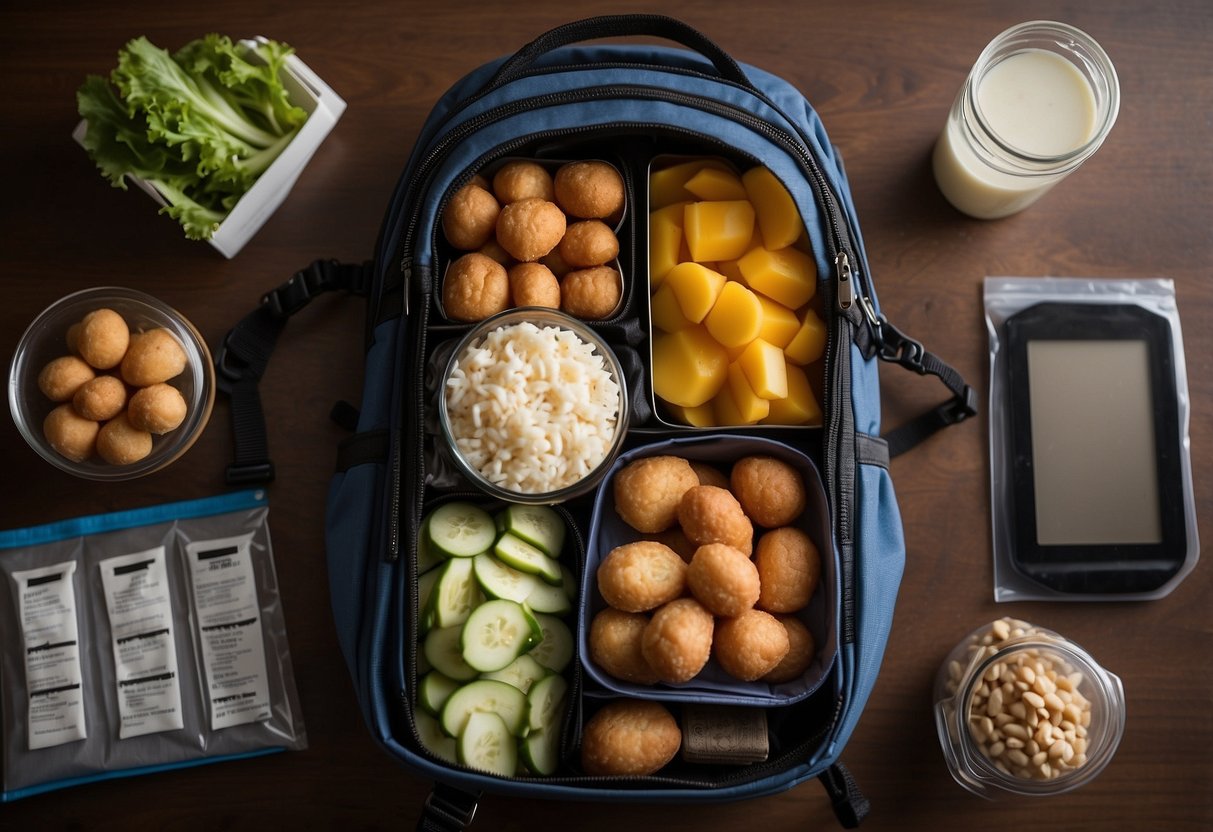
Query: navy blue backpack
pixel 628 103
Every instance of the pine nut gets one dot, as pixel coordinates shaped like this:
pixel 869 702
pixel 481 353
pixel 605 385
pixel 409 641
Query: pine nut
pixel 1040 757
pixel 1017 757
pixel 1057 749
pixel 1014 730
pixel 1034 699
pixel 994 706
pixel 996 749
pixel 1001 629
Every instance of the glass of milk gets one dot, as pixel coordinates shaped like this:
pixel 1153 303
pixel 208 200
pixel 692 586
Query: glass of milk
pixel 1038 102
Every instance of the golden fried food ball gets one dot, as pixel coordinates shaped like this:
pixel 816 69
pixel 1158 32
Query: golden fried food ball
pixel 474 288
pixel 631 737
pixel 100 399
pixel 677 540
pixel 770 490
pixel 533 284
pixel 61 378
pixel 709 474
pixel 103 339
pixel 73 337
pixel 589 190
pixel 154 356
pixel 723 579
pixel 640 576
pixel 801 650
pixel 69 433
pixel 480 182
pixel 710 514
pixel 751 645
pixel 615 645
pixel 647 491
pixel 522 180
pixel 556 263
pixel 588 243
pixel 591 293
pixel 157 409
pixel 789 567
pixel 678 640
pixel 121 443
pixel 530 228
pixel 493 250
pixel 470 217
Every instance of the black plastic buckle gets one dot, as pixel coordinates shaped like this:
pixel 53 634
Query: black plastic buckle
pixel 895 346
pixel 447 811
pixel 297 292
pixel 229 367
pixel 961 407
pixel 248 473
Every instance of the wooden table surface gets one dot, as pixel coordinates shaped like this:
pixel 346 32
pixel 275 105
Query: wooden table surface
pixel 883 74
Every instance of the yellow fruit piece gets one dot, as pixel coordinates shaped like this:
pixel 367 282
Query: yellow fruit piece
pixel 787 275
pixel 731 270
pixel 736 317
pixel 718 230
pixel 713 184
pixel 668 185
pixel 809 342
pixel 799 407
pixel 724 409
pixel 764 368
pixel 696 287
pixel 665 242
pixel 777 215
pixel 750 406
pixel 736 352
pixel 667 314
pixel 696 417
pixel 689 367
pixel 779 324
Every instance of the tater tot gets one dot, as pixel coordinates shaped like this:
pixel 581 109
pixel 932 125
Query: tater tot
pixel 592 294
pixel 770 490
pixel 530 228
pixel 615 645
pixel 589 190
pixel 750 645
pixel 678 640
pixel 521 180
pixel 629 737
pixel 723 579
pixel 789 566
pixel 641 576
pixel 533 284
pixel 588 243
pixel 474 288
pixel 470 217
pixel 647 491
pixel 709 514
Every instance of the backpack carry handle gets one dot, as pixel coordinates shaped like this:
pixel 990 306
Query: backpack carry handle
pixel 621 25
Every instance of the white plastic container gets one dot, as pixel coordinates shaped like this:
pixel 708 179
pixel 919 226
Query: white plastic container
pixel 324 107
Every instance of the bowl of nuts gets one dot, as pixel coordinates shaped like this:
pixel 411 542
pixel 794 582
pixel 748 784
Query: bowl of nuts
pixel 111 384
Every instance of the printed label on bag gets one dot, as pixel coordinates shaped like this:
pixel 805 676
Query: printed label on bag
pixel 229 624
pixel 47 604
pixel 137 596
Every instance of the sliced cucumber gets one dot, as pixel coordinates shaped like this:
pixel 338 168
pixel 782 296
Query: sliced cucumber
pixel 423 664
pixel 427 558
pixel 461 530
pixel 541 751
pixel 456 594
pixel 538 525
pixel 485 696
pixel 432 738
pixel 433 691
pixel 516 552
pixel 500 581
pixel 486 744
pixel 496 633
pixel 425 595
pixel 555 650
pixel 552 599
pixel 443 652
pixel 522 673
pixel 545 703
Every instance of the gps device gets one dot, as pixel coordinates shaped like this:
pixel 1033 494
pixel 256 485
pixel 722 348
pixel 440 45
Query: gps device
pixel 1095 449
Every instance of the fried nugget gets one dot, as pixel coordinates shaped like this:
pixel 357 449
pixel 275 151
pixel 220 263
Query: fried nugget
pixel 521 180
pixel 589 190
pixel 647 491
pixel 770 490
pixel 678 640
pixel 709 474
pixel 789 567
pixel 640 576
pixel 677 540
pixel 723 579
pixel 750 645
pixel 530 228
pixel 709 514
pixel 474 288
pixel 615 645
pixel 533 284
pixel 801 650
pixel 591 294
pixel 629 737
pixel 470 217
pixel 588 243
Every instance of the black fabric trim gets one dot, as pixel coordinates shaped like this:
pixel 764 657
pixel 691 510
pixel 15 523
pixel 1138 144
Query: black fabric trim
pixel 361 448
pixel 871 450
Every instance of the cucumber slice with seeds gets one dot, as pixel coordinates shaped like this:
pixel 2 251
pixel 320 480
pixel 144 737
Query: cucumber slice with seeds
pixel 545 703
pixel 541 751
pixel 496 633
pixel 552 599
pixel 429 732
pixel 522 673
pixel 500 581
pixel 555 650
pixel 427 558
pixel 485 696
pixel 461 530
pixel 516 552
pixel 425 595
pixel 456 594
pixel 433 691
pixel 487 745
pixel 443 652
pixel 540 526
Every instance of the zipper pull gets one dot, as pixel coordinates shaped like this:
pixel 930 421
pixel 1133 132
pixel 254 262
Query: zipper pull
pixel 846 289
pixel 406 280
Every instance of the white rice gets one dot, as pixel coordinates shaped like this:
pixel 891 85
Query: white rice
pixel 532 409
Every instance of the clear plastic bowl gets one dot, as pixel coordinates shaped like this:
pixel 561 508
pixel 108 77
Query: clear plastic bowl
pixel 46 339
pixel 540 317
pixel 983 753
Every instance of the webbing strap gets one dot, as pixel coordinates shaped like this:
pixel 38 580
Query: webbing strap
pixel 447 809
pixel 850 805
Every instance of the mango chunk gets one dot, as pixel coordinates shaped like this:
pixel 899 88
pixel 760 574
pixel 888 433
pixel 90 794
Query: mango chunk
pixel 689 367
pixel 736 352
pixel 724 409
pixel 667 314
pixel 696 287
pixel 779 324
pixel 712 184
pixel 750 406
pixel 787 275
pixel 665 241
pixel 777 215
pixel 800 407
pixel 809 342
pixel 736 317
pixel 668 185
pixel 718 230
pixel 696 417
pixel 765 369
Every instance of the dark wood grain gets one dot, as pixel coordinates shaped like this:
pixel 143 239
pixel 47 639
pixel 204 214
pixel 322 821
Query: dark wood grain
pixel 882 73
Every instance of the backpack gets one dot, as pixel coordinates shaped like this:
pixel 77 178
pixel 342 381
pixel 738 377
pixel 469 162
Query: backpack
pixel 557 97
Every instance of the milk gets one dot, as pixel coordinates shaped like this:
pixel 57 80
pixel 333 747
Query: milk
pixel 1032 103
